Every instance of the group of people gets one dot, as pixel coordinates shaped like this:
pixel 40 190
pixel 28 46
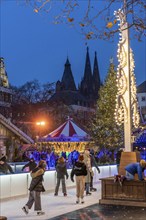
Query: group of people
pixel 50 156
pixel 81 173
pixel 82 170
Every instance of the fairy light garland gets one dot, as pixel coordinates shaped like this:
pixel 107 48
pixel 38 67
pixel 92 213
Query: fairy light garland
pixel 121 110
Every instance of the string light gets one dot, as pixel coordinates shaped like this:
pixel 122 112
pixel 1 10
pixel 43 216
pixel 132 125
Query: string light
pixel 121 111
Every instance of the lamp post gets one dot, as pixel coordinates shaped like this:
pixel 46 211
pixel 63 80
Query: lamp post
pixel 40 125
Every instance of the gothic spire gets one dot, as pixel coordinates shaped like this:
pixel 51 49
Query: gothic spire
pixel 87 71
pixel 67 78
pixel 86 83
pixel 96 75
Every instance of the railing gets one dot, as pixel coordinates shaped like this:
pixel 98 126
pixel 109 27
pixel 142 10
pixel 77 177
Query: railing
pixel 13 185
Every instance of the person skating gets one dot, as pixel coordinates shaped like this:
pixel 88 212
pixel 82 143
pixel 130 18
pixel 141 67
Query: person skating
pixel 61 173
pixel 90 173
pixel 80 171
pixel 93 164
pixel 36 187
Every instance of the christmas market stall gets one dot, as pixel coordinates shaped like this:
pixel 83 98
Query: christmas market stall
pixel 66 138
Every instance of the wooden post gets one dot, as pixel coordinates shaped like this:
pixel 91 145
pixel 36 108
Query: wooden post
pixel 3 218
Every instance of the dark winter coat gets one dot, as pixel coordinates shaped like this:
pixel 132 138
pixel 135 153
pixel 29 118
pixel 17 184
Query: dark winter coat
pixel 61 170
pixel 79 169
pixel 6 168
pixel 30 164
pixel 134 168
pixel 37 179
pixel 93 162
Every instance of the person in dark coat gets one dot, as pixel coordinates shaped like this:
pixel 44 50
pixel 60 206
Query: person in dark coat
pixel 135 168
pixel 36 187
pixel 93 164
pixel 80 171
pixel 87 161
pixel 31 165
pixel 5 168
pixel 61 173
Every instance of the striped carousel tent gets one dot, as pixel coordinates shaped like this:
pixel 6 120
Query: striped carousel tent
pixel 68 131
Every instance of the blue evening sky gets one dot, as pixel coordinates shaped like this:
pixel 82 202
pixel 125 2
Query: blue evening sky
pixel 34 48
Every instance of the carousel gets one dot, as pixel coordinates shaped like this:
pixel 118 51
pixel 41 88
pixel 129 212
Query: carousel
pixel 67 137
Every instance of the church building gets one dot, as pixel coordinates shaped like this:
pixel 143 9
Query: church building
pixel 5 92
pixel 11 137
pixel 81 99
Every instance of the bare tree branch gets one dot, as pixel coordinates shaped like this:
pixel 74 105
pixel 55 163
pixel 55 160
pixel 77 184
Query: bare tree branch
pixel 94 18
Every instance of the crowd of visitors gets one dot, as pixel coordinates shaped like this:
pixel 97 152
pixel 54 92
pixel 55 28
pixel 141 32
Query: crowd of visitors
pixel 81 168
pixel 83 172
pixel 51 157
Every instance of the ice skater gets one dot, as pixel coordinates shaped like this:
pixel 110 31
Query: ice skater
pixel 61 170
pixel 36 187
pixel 80 171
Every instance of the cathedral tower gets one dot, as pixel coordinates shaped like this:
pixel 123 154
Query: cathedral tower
pixel 86 87
pixel 96 77
pixel 67 82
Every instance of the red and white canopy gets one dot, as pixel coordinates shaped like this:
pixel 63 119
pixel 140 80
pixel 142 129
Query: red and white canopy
pixel 68 131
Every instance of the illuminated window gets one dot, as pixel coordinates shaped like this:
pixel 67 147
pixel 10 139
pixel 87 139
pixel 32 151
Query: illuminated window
pixel 143 98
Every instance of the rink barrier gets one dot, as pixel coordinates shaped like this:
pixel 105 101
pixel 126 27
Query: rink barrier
pixel 13 185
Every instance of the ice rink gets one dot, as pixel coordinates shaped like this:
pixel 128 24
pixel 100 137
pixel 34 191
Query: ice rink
pixel 53 206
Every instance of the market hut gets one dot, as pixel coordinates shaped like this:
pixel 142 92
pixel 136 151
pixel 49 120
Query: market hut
pixel 67 137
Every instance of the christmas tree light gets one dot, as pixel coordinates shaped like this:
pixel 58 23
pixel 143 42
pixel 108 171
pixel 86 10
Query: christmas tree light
pixel 126 100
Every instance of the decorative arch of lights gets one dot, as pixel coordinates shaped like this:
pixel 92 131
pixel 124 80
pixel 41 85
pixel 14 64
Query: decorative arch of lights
pixel 121 111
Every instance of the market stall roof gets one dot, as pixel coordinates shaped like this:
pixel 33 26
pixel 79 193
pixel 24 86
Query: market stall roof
pixel 15 130
pixel 28 147
pixel 68 131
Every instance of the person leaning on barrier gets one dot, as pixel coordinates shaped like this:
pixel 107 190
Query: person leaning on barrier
pixel 5 168
pixel 31 165
pixel 135 168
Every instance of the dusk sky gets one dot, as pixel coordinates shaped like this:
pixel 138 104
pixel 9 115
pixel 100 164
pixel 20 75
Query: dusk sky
pixel 34 48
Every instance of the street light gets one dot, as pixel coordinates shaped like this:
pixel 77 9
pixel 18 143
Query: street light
pixel 40 125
